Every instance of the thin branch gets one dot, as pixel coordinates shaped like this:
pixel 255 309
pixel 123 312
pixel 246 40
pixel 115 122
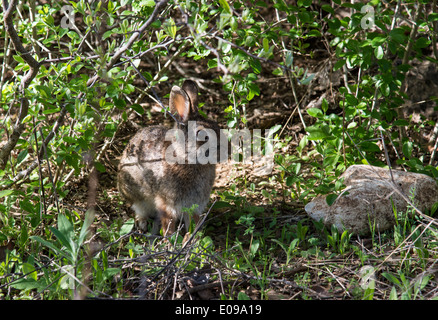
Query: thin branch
pixel 159 6
pixel 34 66
pixel 34 164
pixel 412 37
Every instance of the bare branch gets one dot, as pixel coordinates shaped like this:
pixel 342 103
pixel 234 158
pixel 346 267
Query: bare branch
pixel 160 5
pixel 19 127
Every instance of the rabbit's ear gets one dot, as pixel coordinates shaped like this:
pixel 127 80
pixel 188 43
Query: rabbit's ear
pixel 179 102
pixel 191 89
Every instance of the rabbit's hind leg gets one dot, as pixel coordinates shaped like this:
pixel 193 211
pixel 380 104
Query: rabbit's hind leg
pixel 145 210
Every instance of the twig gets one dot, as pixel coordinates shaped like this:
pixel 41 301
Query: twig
pixel 435 27
pixel 157 77
pixel 411 39
pixel 376 90
pixel 209 286
pixel 34 164
pixel 179 253
pixel 435 145
pixel 157 99
pixel 43 196
pixel 158 7
pixel 34 66
pixel 291 80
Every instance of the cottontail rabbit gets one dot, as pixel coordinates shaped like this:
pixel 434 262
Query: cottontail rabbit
pixel 158 173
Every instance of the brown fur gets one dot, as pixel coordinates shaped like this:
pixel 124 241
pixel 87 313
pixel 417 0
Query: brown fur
pixel 158 189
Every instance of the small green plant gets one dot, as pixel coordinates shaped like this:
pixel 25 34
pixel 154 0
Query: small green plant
pixel 340 242
pixel 290 249
pixel 405 289
pixel 260 277
pixel 190 212
pixel 68 248
pixel 247 221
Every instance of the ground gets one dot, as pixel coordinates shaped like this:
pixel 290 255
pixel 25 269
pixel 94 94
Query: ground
pixel 273 214
pixel 256 240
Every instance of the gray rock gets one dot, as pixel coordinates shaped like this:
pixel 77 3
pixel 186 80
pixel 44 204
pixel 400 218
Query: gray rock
pixel 369 198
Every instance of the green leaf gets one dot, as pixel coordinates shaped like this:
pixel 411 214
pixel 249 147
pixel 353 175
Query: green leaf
pixel 391 278
pixel 29 284
pixel 88 220
pixel 302 144
pixel 401 122
pixel 393 294
pixel 110 273
pixel 331 198
pixel 328 8
pixel 148 3
pixel 432 17
pixel 224 4
pixel 27 206
pixel 18 58
pixel 212 63
pixel 339 64
pixel 422 282
pixel 66 242
pixel 378 52
pixel 352 100
pixel 5 193
pixel 250 41
pixel 255 65
pixel 278 72
pixel 242 296
pixel 290 181
pixel 137 108
pixel 127 227
pixel 315 112
pixel 48 245
pixel 29 270
pixel 266 44
pixel 100 167
pixel 289 58
pixel 407 149
pixel 110 6
pixel 50 111
pixel 274 129
pixel 253 90
pixel 317 133
pixel 222 204
pixel 254 247
pixel 369 146
pixel 22 155
pixel 170 28
pixel 422 42
pixel 398 34
pixel 65 226
pixel 306 80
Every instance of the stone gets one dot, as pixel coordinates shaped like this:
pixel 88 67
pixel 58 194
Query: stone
pixel 369 196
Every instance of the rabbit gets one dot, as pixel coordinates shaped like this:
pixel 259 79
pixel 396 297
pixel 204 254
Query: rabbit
pixel 159 188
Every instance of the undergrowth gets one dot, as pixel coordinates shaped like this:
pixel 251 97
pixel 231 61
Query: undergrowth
pixel 259 256
pixel 335 81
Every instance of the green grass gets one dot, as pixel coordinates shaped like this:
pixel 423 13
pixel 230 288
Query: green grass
pixel 254 255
